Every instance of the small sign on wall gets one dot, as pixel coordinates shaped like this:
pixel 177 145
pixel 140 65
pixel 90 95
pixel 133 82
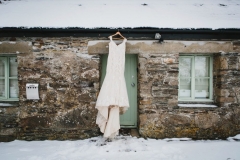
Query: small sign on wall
pixel 32 91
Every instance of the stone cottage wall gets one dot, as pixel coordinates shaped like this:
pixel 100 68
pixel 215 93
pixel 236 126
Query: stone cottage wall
pixel 68 73
pixel 68 81
pixel 159 113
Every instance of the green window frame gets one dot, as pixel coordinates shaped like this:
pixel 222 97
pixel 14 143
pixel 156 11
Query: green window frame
pixel 195 78
pixel 9 90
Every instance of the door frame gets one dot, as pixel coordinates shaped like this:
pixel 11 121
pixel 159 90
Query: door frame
pixel 102 60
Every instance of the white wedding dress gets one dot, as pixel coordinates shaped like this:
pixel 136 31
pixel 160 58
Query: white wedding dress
pixel 113 94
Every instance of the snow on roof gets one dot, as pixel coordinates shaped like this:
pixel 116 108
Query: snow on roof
pixel 212 14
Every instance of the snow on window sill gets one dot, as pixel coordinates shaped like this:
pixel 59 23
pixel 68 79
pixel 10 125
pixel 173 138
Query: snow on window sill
pixel 8 104
pixel 197 105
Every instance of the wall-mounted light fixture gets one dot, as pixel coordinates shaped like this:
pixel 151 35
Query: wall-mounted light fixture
pixel 159 37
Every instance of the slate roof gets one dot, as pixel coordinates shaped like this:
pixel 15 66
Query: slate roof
pixel 174 14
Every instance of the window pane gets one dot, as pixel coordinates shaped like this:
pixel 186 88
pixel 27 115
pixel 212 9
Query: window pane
pixel 201 88
pixel 13 91
pixel 185 87
pixel 2 68
pixel 202 66
pixel 2 88
pixel 13 67
pixel 185 67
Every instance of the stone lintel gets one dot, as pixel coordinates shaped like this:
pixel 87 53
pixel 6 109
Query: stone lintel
pixel 15 47
pixel 168 46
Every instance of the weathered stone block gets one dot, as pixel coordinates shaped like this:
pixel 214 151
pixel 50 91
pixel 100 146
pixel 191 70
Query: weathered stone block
pixel 155 61
pixel 222 92
pixel 169 60
pixel 146 101
pixel 172 102
pixel 226 99
pixel 207 120
pixel 223 63
pixel 236 45
pixel 173 82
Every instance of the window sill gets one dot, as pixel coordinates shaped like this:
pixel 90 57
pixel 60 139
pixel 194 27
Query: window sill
pixel 197 106
pixel 9 100
pixel 9 104
pixel 196 101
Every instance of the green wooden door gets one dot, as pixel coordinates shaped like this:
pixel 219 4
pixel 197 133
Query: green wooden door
pixel 128 119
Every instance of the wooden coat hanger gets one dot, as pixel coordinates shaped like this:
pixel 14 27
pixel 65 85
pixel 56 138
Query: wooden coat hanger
pixel 118 33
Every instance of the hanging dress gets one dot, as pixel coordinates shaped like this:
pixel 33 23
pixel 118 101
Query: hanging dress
pixel 113 94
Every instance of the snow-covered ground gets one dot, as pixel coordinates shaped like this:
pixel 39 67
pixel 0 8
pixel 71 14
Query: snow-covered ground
pixel 125 13
pixel 123 148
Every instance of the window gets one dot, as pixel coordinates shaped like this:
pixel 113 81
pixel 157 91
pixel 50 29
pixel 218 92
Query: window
pixel 8 78
pixel 195 78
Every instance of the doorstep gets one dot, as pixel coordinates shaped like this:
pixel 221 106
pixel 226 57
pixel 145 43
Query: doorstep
pixel 129 131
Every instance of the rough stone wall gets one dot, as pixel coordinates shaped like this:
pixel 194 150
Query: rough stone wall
pixel 8 122
pixel 68 84
pixel 158 82
pixel 67 70
pixel 159 114
pixel 228 79
pixel 9 111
